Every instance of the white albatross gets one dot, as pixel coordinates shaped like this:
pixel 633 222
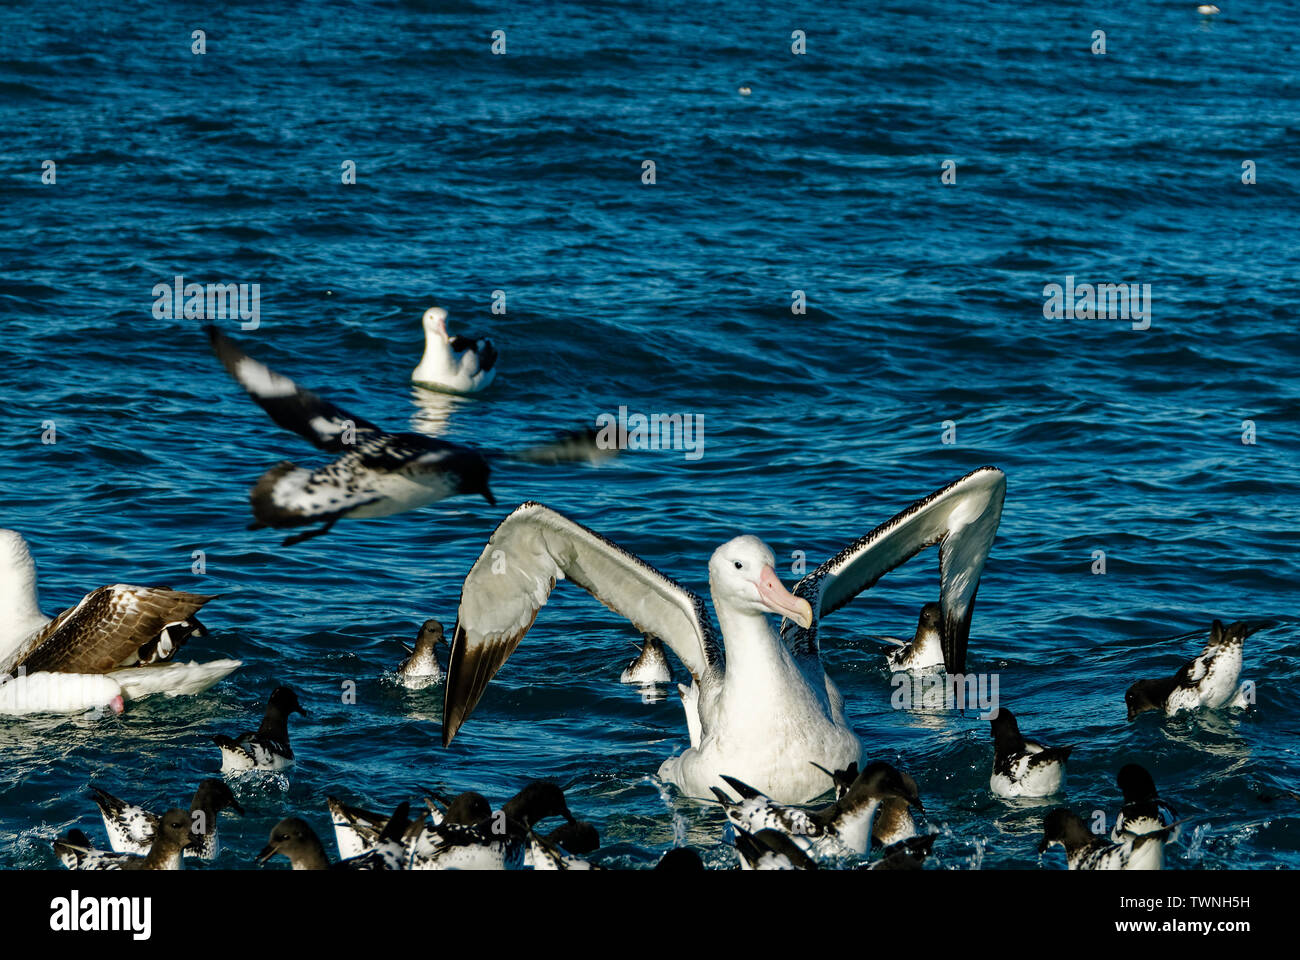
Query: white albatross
pixel 116 644
pixel 455 364
pixel 764 709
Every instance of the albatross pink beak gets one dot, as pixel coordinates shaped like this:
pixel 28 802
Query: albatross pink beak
pixel 780 600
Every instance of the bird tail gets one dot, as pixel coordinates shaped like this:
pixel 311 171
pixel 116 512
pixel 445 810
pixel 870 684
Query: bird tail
pixel 395 829
pixel 744 790
pixel 573 446
pixel 106 802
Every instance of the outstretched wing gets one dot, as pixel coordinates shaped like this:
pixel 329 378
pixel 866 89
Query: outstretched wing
pixel 289 405
pixel 513 578
pixel 962 519
pixel 108 627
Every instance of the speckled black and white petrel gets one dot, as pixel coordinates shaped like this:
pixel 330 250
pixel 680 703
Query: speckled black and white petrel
pixel 126 633
pixel 1023 768
pixel 770 850
pixel 421 669
pixel 357 830
pixel 294 839
pixel 546 854
pixel 650 666
pixel 907 854
pixel 267 748
pixel 925 650
pixel 170 839
pixel 456 364
pixel 1087 851
pixel 376 473
pixel 893 823
pixel 841 829
pixel 131 828
pixel 1143 810
pixel 499 841
pixel 1206 683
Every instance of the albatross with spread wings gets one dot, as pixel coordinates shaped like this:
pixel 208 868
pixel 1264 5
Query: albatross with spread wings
pixel 762 711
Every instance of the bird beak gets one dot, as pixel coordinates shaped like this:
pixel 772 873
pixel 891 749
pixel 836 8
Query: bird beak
pixel 1043 845
pixel 267 853
pixel 487 495
pixel 779 600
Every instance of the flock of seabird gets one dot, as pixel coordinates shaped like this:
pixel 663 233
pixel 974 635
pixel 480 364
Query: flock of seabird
pixel 766 726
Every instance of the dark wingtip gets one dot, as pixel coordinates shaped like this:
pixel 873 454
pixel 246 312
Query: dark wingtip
pixel 744 790
pixel 450 725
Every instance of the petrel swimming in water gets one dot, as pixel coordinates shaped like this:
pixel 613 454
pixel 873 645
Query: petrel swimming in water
pixel 376 473
pixel 131 828
pixel 1144 811
pixel 421 668
pixel 1207 682
pixel 1023 767
pixel 840 829
pixel 1086 851
pixel 268 747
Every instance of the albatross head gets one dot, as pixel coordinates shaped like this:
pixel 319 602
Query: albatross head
pixel 742 574
pixel 435 322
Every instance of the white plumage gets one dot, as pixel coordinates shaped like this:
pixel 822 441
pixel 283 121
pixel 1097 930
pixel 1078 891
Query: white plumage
pixel 770 711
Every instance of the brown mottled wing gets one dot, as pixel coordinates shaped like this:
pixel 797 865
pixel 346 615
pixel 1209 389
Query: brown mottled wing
pixel 513 578
pixel 108 626
pixel 962 518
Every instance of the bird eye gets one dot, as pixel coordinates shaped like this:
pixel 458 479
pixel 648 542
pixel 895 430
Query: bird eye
pixel 739 565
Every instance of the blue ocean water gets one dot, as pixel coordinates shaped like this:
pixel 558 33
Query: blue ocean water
pixel 522 173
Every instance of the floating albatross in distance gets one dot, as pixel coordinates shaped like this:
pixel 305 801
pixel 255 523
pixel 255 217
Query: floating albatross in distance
pixel 377 473
pixel 455 364
pixel 767 713
pixel 118 635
